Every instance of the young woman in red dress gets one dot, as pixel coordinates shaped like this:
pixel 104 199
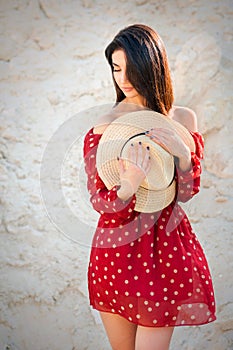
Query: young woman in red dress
pixel 160 280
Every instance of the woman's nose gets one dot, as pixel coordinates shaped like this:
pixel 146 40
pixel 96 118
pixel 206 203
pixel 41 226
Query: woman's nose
pixel 123 78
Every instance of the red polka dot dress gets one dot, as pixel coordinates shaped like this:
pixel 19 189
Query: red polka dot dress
pixel 148 267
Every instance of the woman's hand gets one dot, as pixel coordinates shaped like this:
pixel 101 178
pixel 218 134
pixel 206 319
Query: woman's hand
pixel 132 176
pixel 174 144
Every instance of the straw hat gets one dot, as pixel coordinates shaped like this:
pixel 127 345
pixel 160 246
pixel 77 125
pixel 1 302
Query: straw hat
pixel 158 189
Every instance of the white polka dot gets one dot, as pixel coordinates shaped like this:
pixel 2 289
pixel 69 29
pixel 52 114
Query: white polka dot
pixel 172 301
pixel 151 283
pixel 106 292
pixel 190 306
pixel 130 267
pixel 172 281
pixel 138 316
pixel 126 294
pixel 157 304
pixel 155 321
pixel 116 292
pixel 128 255
pixel 174 318
pixel 130 306
pixel 126 233
pixel 163 276
pixel 146 302
pixel 138 294
pixel 152 294
pixel 119 270
pixel 101 303
pixel 165 244
pixel 181 285
pixel 192 317
pixel 165 298
pixel 166 313
pixel 136 277
pixel 139 255
pixel 149 309
pixel 126 281
pixel 161 227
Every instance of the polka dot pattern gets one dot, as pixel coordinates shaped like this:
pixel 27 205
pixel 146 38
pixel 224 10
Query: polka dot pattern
pixel 148 268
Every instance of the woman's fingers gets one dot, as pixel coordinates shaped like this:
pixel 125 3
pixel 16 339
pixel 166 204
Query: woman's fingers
pixel 121 166
pixel 140 156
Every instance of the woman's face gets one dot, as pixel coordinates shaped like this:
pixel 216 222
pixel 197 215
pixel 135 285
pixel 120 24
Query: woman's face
pixel 120 76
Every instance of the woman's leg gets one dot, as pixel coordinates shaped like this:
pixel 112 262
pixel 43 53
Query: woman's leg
pixel 150 338
pixel 121 333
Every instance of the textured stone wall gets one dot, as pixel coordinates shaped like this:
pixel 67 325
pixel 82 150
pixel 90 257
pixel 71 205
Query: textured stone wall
pixel 52 70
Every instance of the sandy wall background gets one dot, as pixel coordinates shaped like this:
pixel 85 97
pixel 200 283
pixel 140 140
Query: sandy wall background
pixel 52 71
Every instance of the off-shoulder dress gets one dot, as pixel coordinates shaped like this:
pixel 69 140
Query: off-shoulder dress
pixel 148 267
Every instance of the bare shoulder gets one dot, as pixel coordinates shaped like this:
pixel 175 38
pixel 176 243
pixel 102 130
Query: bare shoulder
pixel 102 123
pixel 185 116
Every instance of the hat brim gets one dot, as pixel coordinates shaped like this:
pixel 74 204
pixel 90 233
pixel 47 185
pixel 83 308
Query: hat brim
pixel 117 134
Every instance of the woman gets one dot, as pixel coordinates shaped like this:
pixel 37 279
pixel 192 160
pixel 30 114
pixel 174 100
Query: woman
pixel 144 288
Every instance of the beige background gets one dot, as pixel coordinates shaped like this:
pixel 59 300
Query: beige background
pixel 53 68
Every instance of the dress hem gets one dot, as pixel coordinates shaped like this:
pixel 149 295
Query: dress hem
pixel 213 319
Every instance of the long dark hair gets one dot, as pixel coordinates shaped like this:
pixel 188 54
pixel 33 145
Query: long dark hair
pixel 146 66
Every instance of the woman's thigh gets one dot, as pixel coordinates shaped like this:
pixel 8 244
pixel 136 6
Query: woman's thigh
pixel 121 333
pixel 150 338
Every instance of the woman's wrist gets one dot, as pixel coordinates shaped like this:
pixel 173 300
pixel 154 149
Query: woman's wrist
pixel 185 161
pixel 125 191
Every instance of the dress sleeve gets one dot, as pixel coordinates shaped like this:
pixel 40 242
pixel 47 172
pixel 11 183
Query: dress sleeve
pixel 188 182
pixel 103 200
